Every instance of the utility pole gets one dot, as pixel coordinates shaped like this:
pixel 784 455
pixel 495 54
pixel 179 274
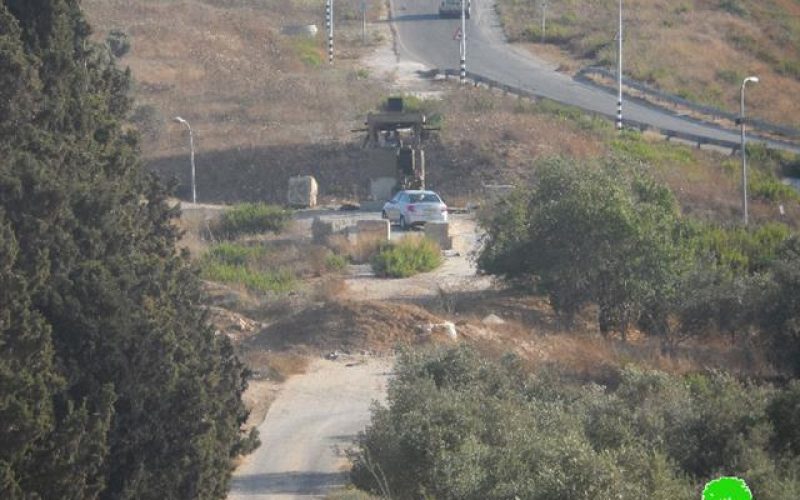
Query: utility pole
pixel 463 42
pixel 329 25
pixel 619 71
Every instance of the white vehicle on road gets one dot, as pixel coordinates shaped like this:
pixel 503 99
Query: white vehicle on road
pixel 413 208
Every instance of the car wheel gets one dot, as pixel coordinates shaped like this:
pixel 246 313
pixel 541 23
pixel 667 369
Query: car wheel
pixel 403 225
pixel 383 215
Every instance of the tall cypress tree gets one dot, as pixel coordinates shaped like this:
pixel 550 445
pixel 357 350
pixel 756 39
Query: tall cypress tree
pixel 144 401
pixel 26 371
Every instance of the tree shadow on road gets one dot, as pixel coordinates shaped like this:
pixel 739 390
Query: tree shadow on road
pixel 287 483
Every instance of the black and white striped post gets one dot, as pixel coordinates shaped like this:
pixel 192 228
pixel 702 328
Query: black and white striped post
pixel 329 25
pixel 619 71
pixel 463 42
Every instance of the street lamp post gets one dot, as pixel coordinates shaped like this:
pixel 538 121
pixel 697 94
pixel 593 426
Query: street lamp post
pixel 191 147
pixel 753 79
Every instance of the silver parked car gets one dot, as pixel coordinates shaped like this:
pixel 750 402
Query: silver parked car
pixel 413 208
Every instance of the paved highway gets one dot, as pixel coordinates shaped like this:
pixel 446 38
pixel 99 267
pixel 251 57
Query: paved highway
pixel 424 37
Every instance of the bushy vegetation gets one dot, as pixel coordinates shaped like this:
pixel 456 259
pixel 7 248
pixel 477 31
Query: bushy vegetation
pixel 604 234
pixel 767 167
pixel 335 262
pixel 431 108
pixel 251 218
pixel 248 265
pixel 112 385
pixel 308 51
pixel 406 258
pixel 118 42
pixel 457 426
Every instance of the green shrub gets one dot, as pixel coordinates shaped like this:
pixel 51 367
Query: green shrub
pixel 784 413
pixel 119 42
pixel 335 262
pixel 406 258
pixel 431 108
pixel 149 120
pixel 734 7
pixel 252 218
pixel 586 233
pixel 768 187
pixel 308 52
pixel 741 250
pixel 554 33
pixel 563 111
pixel 459 426
pixel 656 153
pixel 246 265
pixel 260 281
pixel 235 254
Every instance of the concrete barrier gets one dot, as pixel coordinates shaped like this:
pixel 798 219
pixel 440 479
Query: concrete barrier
pixel 375 229
pixel 440 233
pixel 302 191
pixel 322 229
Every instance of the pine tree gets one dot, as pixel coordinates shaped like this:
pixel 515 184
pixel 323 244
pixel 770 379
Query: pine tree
pixel 26 370
pixel 146 401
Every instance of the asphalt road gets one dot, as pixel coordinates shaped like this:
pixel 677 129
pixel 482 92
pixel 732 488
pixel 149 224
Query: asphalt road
pixel 426 38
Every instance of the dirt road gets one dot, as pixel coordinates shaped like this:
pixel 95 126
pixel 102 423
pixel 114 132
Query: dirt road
pixel 456 274
pixel 308 427
pixel 315 416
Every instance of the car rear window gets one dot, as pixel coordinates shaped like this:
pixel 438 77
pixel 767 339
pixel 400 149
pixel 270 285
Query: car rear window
pixel 424 198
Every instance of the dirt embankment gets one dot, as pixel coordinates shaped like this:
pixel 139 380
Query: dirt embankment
pixel 348 326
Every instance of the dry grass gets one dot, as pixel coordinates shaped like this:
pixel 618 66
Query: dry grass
pixel 695 48
pixel 587 355
pixel 348 326
pixel 261 114
pixel 274 366
pixel 534 332
pixel 330 289
pixel 227 68
pixel 358 251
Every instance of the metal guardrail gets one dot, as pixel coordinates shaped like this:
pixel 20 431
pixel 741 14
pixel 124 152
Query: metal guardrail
pixel 711 111
pixel 478 80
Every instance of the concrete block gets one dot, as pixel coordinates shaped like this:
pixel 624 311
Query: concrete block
pixel 322 229
pixel 440 233
pixel 382 188
pixel 303 191
pixel 375 229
